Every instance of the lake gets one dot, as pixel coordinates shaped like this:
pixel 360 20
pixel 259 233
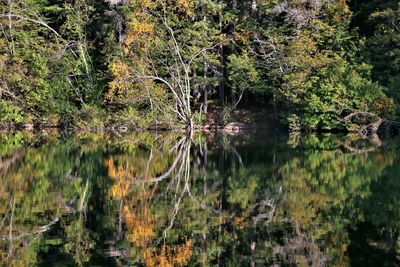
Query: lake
pixel 162 199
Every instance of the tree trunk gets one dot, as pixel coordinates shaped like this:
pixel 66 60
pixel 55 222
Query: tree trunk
pixel 275 108
pixel 254 6
pixel 205 89
pixel 206 101
pixel 233 98
pixel 222 83
pixel 234 4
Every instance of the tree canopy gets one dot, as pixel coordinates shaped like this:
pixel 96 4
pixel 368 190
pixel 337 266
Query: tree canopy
pixel 156 63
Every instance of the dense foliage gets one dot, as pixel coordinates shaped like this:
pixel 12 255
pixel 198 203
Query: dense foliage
pixel 146 63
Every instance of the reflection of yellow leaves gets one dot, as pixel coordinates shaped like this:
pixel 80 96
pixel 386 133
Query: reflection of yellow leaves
pixel 183 253
pixel 139 221
pixel 169 256
pixel 122 175
pixel 221 220
pixel 240 222
pixel 140 225
pixel 302 204
pixel 125 170
pixel 142 229
pixel 119 190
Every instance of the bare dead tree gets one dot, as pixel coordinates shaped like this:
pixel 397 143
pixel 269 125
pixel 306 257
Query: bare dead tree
pixel 179 79
pixel 369 124
pixel 300 13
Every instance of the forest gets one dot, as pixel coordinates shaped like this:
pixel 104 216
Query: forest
pixel 315 65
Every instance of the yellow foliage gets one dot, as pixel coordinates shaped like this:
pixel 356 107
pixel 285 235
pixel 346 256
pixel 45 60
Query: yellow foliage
pixel 120 70
pixel 121 81
pixel 138 29
pixel 342 12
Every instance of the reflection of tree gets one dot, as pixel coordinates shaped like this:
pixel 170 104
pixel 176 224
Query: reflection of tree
pixel 34 195
pixel 323 189
pixel 168 211
pixel 136 181
pixel 169 200
pixel 79 243
pixel 169 256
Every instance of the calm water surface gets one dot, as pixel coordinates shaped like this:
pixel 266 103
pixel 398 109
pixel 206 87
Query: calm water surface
pixel 148 199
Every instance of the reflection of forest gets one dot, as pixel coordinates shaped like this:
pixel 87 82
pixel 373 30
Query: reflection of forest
pixel 167 200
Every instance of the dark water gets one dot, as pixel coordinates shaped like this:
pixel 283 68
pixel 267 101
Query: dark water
pixel 147 199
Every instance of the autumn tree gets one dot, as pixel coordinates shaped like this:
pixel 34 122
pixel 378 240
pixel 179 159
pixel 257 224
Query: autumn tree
pixel 165 55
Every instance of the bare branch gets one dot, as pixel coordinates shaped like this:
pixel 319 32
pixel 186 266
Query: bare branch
pixel 32 20
pixel 240 98
pixel 39 231
pixel 156 78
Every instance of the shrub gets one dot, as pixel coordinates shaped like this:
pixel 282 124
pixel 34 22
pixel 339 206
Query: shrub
pixel 90 118
pixel 10 114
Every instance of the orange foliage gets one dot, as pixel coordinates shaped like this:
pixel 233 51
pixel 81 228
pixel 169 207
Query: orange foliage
pixel 240 222
pixel 125 171
pixel 122 176
pixel 175 255
pixel 137 213
pixel 140 225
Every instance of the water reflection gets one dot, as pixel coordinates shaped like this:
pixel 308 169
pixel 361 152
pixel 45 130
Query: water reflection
pixel 148 199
